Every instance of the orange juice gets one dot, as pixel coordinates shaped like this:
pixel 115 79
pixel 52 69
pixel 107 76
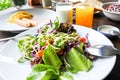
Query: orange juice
pixel 84 16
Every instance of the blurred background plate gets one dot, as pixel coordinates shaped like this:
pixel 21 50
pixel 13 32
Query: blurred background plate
pixel 41 16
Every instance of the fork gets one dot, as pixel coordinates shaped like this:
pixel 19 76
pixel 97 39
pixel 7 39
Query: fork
pixel 103 50
pixel 14 37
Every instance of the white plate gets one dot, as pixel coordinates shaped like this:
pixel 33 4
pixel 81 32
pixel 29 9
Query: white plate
pixel 41 16
pixel 12 70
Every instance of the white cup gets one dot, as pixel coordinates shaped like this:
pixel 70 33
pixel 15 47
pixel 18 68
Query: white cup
pixel 64 11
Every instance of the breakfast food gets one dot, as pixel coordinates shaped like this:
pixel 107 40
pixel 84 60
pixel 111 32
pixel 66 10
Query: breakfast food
pixel 95 3
pixel 25 22
pixel 19 15
pixel 92 3
pixel 22 23
pixel 23 19
pixel 31 22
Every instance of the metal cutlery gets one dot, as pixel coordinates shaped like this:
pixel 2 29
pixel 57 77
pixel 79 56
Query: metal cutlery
pixel 103 50
pixel 15 37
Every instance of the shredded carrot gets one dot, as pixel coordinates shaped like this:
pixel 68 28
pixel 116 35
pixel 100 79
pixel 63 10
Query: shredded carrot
pixel 40 53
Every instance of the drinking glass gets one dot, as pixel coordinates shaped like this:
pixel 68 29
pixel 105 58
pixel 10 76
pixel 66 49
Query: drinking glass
pixel 64 11
pixel 84 16
pixel 19 3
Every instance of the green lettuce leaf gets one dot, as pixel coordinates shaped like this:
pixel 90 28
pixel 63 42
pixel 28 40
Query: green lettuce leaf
pixel 56 24
pixel 65 76
pixel 25 46
pixel 50 57
pixel 80 48
pixel 77 61
pixel 43 72
pixel 59 42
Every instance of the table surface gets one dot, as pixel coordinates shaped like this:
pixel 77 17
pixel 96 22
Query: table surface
pixel 99 19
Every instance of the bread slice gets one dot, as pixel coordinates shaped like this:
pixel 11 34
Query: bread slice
pixel 93 3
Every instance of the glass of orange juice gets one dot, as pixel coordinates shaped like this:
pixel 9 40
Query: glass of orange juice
pixel 84 15
pixel 64 11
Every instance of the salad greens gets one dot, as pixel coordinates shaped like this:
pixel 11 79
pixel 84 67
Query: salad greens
pixel 4 4
pixel 77 61
pixel 43 72
pixel 54 52
pixel 50 57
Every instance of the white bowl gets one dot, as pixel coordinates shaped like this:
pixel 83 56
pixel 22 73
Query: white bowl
pixel 111 15
pixel 105 29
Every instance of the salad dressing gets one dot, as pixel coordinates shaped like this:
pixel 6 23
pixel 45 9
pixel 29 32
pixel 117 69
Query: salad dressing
pixel 107 28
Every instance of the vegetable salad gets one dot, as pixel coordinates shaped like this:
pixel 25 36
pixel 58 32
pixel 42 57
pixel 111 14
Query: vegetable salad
pixel 55 51
pixel 4 4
